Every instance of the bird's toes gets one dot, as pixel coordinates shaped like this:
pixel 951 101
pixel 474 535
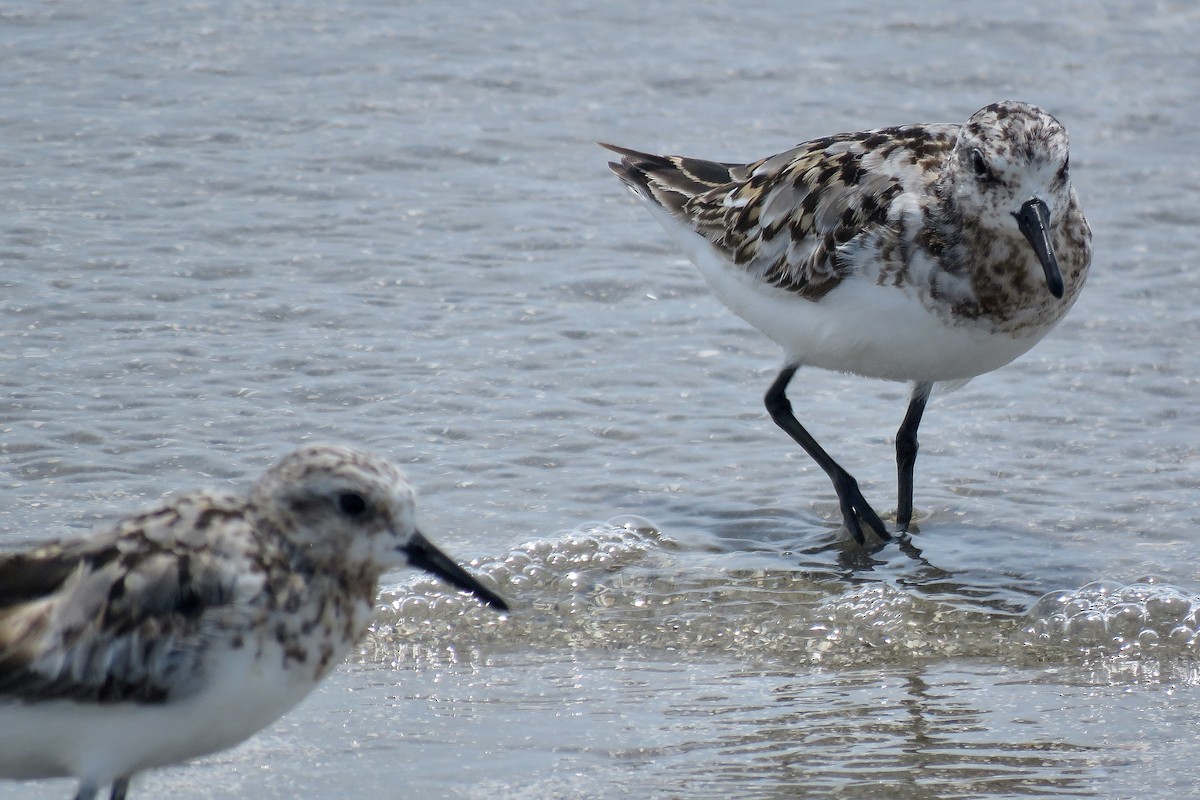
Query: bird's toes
pixel 875 523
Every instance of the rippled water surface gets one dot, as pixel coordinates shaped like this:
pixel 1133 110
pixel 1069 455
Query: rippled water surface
pixel 231 227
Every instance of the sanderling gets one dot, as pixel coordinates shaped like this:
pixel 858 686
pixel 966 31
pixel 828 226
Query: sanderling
pixel 187 628
pixel 923 253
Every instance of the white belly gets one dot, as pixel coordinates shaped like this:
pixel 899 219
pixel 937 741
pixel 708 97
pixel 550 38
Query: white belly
pixel 865 329
pixel 103 742
pixel 859 327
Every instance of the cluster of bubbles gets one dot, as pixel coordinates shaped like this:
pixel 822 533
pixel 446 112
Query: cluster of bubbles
pixel 1144 620
pixel 881 621
pixel 623 584
pixel 547 582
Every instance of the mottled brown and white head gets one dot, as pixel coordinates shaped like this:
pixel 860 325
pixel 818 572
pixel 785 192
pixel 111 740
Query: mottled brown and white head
pixel 343 507
pixel 1009 172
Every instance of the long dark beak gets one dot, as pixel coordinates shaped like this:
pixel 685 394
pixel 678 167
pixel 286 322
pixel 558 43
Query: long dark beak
pixel 1033 220
pixel 423 555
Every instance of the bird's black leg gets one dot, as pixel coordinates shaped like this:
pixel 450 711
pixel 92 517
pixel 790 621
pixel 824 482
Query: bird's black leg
pixel 906 452
pixel 854 507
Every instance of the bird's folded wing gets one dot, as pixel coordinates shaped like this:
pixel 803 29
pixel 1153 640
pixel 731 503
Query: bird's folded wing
pixel 792 219
pixel 120 616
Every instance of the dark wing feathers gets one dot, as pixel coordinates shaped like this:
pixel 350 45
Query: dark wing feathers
pixel 789 218
pixel 34 574
pixel 670 181
pixel 113 617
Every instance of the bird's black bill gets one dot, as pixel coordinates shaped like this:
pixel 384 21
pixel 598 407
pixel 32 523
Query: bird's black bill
pixel 1033 220
pixel 423 555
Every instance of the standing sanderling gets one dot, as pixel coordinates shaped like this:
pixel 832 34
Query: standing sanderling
pixel 187 628
pixel 923 253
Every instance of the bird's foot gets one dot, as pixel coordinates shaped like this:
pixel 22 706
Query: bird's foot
pixel 856 511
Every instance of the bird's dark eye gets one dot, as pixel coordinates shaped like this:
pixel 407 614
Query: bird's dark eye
pixel 352 504
pixel 979 165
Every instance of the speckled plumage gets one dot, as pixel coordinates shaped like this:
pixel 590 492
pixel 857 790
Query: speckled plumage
pixel 924 253
pixel 188 627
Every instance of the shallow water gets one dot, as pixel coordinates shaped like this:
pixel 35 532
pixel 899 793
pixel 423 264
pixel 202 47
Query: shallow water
pixel 231 227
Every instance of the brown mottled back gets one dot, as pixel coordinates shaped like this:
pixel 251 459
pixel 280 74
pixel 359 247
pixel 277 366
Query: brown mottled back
pixel 790 218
